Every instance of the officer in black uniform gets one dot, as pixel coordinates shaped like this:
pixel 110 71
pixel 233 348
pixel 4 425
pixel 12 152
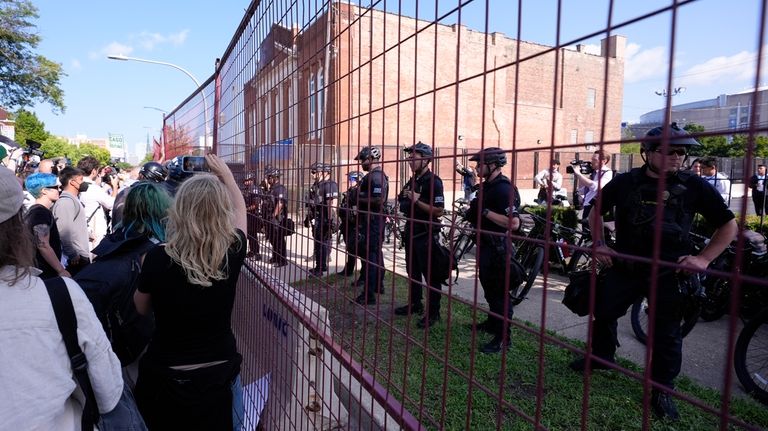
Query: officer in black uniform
pixel 176 176
pixel 633 197
pixel 275 213
pixel 422 203
pixel 326 222
pixel 348 223
pixel 253 196
pixel 151 171
pixel 494 213
pixel 370 202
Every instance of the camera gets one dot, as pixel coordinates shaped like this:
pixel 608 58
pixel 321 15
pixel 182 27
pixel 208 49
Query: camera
pixel 193 164
pixel 108 173
pixel 585 167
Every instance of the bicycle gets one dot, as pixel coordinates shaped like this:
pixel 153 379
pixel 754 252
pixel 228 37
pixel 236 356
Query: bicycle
pixel 750 358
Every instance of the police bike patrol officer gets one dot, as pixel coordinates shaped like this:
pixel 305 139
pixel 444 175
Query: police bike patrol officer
pixel 422 203
pixel 325 194
pixel 494 213
pixel 348 224
pixel 634 198
pixel 254 195
pixel 275 211
pixel 371 198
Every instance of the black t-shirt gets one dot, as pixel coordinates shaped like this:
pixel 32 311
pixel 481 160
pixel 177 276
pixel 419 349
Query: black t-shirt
pixel 38 215
pixel 499 196
pixel 192 323
pixel 633 197
pixel 430 186
pixel 374 184
pixel 325 191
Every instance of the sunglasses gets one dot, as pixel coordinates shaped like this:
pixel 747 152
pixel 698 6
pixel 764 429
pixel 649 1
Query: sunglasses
pixel 676 151
pixel 53 187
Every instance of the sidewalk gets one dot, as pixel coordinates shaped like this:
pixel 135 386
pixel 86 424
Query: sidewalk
pixel 704 349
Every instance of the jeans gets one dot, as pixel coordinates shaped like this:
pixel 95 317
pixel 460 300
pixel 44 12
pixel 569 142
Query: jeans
pixel 238 410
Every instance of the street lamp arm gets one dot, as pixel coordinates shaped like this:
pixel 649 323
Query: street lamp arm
pixel 162 63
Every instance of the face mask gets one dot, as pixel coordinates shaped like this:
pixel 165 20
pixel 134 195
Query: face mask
pixel 83 187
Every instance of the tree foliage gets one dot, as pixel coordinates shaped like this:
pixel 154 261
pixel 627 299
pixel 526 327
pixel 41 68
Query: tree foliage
pixel 28 126
pixel 25 77
pixel 57 147
pixel 727 145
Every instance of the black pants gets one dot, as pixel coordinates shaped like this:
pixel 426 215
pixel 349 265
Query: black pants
pixel 418 252
pixel 373 264
pixel 321 233
pixel 492 278
pixel 277 239
pixel 758 198
pixel 622 288
pixel 253 230
pixel 346 234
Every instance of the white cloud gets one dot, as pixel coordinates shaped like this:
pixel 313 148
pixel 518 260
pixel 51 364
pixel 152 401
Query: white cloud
pixel 110 49
pixel 149 41
pixel 734 68
pixel 74 64
pixel 641 64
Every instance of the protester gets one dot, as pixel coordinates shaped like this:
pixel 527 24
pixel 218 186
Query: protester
pixel 39 389
pixel 97 202
pixel 39 219
pixel 550 179
pixel 757 183
pixel 717 179
pixel 590 184
pixel 189 375
pixel 468 180
pixel 70 220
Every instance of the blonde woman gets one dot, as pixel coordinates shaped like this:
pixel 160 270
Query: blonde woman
pixel 189 376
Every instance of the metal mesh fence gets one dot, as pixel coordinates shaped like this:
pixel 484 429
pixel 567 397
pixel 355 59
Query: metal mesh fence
pixel 330 344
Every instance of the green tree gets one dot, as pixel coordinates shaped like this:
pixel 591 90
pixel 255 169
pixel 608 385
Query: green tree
pixel 57 147
pixel 88 149
pixel 148 158
pixel 28 126
pixel 25 77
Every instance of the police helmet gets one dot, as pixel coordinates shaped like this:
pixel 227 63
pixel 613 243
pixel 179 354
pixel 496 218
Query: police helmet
pixel 320 167
pixel 272 172
pixel 153 171
pixel 175 171
pixel 421 148
pixel 490 156
pixel 369 152
pixel 677 137
pixel 355 176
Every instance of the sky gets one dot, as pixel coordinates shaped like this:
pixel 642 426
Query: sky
pixel 716 44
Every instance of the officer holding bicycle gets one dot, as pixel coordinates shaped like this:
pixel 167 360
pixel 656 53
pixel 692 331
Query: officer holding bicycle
pixel 634 198
pixel 494 213
pixel 422 203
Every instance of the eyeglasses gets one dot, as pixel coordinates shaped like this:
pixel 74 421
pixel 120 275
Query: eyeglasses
pixel 53 187
pixel 676 151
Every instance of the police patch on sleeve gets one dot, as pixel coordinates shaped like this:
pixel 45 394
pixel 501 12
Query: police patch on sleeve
pixel 439 199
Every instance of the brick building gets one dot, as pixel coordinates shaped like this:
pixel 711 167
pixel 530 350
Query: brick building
pixel 326 91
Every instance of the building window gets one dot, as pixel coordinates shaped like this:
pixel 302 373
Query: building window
pixel 312 106
pixel 591 96
pixel 279 113
pixel 589 137
pixel 320 99
pixel 267 121
pixel 574 136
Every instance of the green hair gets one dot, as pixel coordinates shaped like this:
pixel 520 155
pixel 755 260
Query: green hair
pixel 146 211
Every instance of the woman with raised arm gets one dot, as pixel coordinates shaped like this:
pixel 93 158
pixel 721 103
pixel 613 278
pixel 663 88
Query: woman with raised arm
pixel 189 377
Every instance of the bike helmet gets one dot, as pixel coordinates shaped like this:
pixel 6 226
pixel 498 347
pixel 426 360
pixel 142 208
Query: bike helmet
pixel 355 176
pixel 490 156
pixel 677 137
pixel 320 167
pixel 272 172
pixel 154 172
pixel 421 148
pixel 175 171
pixel 369 152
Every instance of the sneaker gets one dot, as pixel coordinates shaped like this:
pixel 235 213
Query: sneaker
pixel 317 271
pixel 408 309
pixel 364 299
pixel 427 322
pixel 580 364
pixel 495 345
pixel 664 406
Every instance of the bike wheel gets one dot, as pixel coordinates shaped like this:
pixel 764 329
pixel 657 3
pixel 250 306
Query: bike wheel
pixel 715 305
pixel 460 248
pixel 532 265
pixel 639 318
pixel 750 359
pixel 580 260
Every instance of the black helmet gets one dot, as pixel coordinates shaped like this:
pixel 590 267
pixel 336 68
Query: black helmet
pixel 320 167
pixel 272 172
pixel 355 176
pixel 369 152
pixel 490 156
pixel 175 171
pixel 421 148
pixel 154 172
pixel 677 137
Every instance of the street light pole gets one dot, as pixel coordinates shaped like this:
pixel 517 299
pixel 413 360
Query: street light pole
pixel 121 57
pixel 668 106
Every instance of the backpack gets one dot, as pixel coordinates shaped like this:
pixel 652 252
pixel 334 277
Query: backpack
pixel 109 283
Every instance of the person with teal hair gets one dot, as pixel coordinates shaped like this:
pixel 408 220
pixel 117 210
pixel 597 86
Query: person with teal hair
pixel 145 211
pixel 39 218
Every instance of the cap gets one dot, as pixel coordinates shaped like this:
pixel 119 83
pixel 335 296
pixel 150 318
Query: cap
pixel 11 194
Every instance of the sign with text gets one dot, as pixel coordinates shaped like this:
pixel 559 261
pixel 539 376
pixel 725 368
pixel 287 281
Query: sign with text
pixel 116 141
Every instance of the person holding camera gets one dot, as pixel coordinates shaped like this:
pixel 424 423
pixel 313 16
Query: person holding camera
pixel 371 199
pixel 326 194
pixel 275 212
pixel 591 178
pixel 632 198
pixel 494 212
pixel 96 201
pixel 468 180
pixel 421 201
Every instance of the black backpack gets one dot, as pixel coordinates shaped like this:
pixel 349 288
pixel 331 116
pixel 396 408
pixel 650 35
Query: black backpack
pixel 110 282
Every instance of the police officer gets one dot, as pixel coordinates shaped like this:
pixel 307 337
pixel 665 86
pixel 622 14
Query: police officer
pixel 422 203
pixel 494 213
pixel 253 195
pixel 326 222
pixel 176 176
pixel 370 202
pixel 150 171
pixel 632 197
pixel 348 223
pixel 275 212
